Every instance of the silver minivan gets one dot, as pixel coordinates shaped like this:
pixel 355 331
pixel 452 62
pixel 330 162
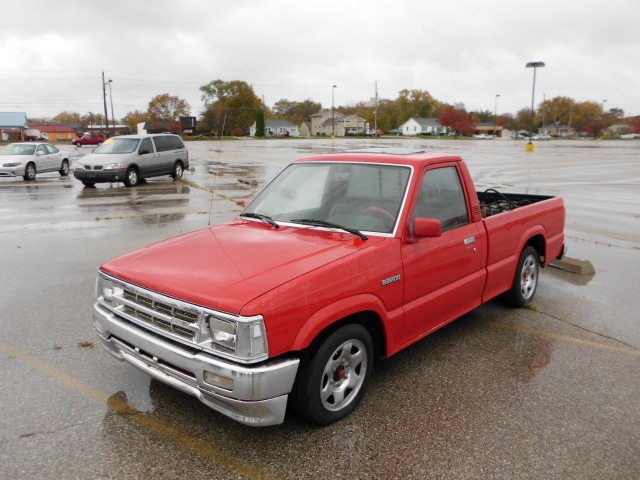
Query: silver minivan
pixel 131 158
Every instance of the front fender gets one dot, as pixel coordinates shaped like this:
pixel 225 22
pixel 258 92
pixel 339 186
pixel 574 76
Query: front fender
pixel 336 311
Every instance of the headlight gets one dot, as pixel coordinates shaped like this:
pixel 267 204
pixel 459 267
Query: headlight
pixel 245 339
pixel 112 166
pixel 105 289
pixel 12 164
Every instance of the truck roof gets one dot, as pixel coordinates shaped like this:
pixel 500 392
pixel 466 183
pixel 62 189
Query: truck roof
pixel 397 156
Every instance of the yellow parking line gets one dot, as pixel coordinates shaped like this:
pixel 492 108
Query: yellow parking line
pixel 119 405
pixel 564 338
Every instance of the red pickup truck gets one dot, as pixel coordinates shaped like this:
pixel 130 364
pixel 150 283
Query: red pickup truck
pixel 341 260
pixel 90 139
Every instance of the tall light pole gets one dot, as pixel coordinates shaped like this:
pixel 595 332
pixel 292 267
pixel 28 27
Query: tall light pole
pixel 495 116
pixel 533 65
pixel 333 117
pixel 104 98
pixel 113 117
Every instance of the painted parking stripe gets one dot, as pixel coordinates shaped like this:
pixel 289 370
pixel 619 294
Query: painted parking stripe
pixel 145 420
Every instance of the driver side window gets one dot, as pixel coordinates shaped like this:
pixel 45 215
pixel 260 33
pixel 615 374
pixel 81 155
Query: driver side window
pixel 41 149
pixel 442 197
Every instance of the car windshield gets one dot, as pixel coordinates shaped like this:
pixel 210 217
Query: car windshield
pixel 17 149
pixel 118 145
pixel 365 197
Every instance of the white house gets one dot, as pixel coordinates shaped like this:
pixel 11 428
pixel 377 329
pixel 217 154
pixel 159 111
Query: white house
pixel 277 128
pixel 422 126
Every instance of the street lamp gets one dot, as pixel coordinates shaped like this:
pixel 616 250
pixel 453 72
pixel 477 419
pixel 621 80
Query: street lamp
pixel 333 117
pixel 495 115
pixel 533 65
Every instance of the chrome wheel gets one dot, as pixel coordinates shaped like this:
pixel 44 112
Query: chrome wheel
pixel 529 277
pixel 343 375
pixel 131 177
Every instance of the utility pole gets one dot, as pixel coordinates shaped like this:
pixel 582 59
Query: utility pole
pixel 104 98
pixel 113 115
pixel 375 113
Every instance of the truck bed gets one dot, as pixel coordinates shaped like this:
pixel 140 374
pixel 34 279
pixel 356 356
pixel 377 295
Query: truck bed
pixel 493 202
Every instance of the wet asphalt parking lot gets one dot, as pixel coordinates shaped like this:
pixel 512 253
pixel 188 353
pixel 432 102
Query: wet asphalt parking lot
pixel 548 391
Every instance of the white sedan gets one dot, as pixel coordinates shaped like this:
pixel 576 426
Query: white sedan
pixel 541 137
pixel 28 158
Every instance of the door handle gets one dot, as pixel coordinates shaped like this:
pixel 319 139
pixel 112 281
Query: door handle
pixel 470 240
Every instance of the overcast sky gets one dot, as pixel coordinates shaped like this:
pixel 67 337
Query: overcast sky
pixel 52 53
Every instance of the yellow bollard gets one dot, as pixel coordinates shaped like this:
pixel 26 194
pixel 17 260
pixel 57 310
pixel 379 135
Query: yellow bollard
pixel 530 147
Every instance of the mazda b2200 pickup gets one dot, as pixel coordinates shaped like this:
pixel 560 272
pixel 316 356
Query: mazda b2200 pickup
pixel 342 260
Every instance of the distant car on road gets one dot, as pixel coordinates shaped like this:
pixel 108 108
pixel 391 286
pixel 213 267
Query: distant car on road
pixel 483 136
pixel 28 158
pixel 541 137
pixel 130 158
pixel 90 139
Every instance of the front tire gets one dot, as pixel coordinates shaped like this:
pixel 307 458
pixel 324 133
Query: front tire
pixel 131 178
pixel 30 171
pixel 178 170
pixel 64 168
pixel 525 282
pixel 333 380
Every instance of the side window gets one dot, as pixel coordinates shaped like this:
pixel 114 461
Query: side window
pixel 176 143
pixel 51 149
pixel 42 149
pixel 442 197
pixel 162 143
pixel 146 145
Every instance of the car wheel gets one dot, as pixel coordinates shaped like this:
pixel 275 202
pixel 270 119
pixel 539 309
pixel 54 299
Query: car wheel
pixel 178 170
pixel 64 168
pixel 30 171
pixel 131 178
pixel 525 282
pixel 332 381
pixel 88 184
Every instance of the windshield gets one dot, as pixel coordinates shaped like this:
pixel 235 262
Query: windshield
pixel 17 149
pixel 361 196
pixel 118 145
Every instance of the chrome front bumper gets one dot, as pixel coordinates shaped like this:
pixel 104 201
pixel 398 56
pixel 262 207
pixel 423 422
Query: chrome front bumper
pixel 258 394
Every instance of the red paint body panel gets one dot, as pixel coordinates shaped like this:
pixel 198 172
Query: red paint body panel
pixel 302 280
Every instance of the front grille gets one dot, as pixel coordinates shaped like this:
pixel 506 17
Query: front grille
pixel 159 313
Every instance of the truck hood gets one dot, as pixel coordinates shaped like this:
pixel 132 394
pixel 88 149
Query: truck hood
pixel 226 266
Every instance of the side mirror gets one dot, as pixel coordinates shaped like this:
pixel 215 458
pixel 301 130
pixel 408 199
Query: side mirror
pixel 143 151
pixel 427 227
pixel 39 154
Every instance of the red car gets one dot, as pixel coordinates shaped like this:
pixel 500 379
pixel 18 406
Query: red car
pixel 342 260
pixel 90 139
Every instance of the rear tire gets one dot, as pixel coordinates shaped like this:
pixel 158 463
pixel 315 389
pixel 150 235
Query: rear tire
pixel 131 178
pixel 64 168
pixel 525 282
pixel 30 171
pixel 332 382
pixel 178 170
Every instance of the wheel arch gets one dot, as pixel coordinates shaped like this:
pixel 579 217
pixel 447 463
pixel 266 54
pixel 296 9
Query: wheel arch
pixel 366 310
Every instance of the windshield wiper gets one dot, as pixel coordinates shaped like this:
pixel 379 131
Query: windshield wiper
pixel 260 216
pixel 323 223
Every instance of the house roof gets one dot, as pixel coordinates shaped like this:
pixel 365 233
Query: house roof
pixel 53 128
pixel 428 122
pixel 279 123
pixel 13 119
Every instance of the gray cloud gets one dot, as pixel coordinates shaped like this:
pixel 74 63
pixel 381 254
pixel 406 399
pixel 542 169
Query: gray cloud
pixel 52 54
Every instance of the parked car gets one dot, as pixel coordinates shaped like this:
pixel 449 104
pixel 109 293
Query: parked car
pixel 541 137
pixel 90 139
pixel 27 159
pixel 130 158
pixel 341 260
pixel 483 136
